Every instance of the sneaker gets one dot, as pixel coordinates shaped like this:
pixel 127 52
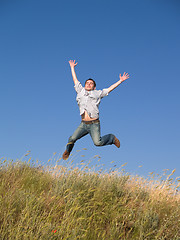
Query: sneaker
pixel 65 155
pixel 116 142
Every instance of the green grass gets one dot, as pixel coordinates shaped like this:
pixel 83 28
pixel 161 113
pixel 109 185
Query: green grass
pixel 72 203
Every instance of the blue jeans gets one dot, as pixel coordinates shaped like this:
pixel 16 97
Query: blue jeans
pixel 94 130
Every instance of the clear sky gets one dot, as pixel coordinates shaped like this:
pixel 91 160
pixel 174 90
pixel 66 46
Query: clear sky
pixel 37 99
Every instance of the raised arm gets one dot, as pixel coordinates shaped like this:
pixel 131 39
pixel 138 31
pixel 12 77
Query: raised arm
pixel 72 65
pixel 121 79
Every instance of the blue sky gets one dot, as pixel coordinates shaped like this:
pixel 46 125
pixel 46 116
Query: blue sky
pixel 37 98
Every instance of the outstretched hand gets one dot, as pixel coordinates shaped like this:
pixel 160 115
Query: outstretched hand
pixel 124 76
pixel 72 63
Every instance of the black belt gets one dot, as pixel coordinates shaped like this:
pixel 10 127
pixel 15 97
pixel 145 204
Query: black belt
pixel 90 122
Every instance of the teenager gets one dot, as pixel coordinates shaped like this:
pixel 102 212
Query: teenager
pixel 88 99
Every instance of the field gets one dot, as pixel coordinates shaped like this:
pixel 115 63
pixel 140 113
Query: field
pixel 58 202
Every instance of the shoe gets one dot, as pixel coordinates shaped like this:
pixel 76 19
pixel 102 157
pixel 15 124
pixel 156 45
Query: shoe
pixel 116 142
pixel 65 155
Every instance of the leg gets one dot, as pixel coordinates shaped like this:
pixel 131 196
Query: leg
pixel 96 136
pixel 79 133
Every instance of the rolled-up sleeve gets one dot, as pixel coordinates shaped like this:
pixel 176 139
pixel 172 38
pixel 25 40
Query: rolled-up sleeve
pixel 78 87
pixel 104 92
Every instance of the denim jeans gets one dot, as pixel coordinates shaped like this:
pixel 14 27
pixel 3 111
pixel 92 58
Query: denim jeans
pixel 94 131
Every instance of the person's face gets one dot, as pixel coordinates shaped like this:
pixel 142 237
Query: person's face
pixel 89 85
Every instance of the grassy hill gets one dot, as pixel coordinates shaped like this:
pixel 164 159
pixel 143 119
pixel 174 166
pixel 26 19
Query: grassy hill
pixel 72 203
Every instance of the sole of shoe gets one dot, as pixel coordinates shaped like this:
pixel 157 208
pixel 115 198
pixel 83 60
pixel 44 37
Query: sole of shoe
pixel 65 155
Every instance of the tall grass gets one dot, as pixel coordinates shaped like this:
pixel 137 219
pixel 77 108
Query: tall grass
pixel 63 202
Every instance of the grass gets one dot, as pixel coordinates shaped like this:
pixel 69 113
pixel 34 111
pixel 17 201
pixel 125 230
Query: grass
pixel 64 202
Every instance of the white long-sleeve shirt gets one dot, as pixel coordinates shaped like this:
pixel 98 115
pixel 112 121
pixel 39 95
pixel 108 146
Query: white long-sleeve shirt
pixel 89 100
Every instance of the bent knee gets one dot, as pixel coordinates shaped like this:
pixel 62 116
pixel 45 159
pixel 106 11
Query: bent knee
pixel 97 143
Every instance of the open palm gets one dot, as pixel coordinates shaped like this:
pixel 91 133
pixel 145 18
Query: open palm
pixel 72 63
pixel 124 76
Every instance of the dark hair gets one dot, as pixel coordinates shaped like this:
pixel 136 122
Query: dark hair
pixel 91 80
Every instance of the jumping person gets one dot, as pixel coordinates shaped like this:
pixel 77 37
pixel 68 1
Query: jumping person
pixel 88 99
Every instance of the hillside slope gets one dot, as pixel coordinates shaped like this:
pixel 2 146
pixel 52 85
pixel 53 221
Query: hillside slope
pixel 62 203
